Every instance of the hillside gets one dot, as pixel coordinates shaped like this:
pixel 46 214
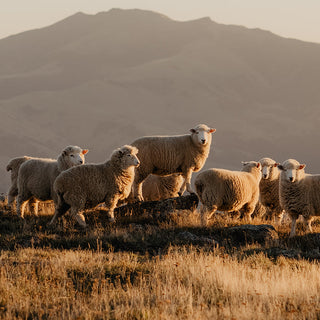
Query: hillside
pixel 99 81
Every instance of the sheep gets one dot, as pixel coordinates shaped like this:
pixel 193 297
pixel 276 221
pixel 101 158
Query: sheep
pixel 14 166
pixel 269 188
pixel 228 191
pixel 299 193
pixel 87 186
pixel 165 155
pixel 36 176
pixel 156 188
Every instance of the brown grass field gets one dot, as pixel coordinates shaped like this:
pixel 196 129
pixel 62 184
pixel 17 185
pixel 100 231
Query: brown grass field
pixel 144 269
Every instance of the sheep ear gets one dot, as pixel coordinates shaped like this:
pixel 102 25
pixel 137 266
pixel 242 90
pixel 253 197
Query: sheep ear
pixel 302 166
pixel 64 152
pixel 258 165
pixel 212 130
pixel 276 164
pixel 244 162
pixel 85 151
pixel 192 131
pixel 280 167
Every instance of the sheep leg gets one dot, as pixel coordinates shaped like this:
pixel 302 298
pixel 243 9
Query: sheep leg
pixel 248 210
pixel 308 221
pixel 111 205
pixel 21 204
pixel 137 186
pixel 12 193
pixel 186 183
pixel 60 210
pixel 278 218
pixel 207 213
pixel 293 226
pixel 34 206
pixel 75 212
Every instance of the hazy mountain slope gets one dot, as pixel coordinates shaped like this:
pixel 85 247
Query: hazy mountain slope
pixel 102 80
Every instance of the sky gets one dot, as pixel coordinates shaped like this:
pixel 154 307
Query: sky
pixel 297 19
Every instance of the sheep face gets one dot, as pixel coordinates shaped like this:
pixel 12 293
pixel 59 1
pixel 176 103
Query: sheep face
pixel 74 155
pixel 251 166
pixel 292 170
pixel 127 155
pixel 201 134
pixel 268 167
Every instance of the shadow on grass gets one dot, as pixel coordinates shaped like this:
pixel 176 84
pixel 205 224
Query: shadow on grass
pixel 146 235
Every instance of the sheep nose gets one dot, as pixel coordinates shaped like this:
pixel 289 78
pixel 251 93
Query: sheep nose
pixel 80 161
pixel 291 179
pixel 264 176
pixel 203 141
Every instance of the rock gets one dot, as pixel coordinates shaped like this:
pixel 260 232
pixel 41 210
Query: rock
pixel 157 209
pixel 194 239
pixel 249 234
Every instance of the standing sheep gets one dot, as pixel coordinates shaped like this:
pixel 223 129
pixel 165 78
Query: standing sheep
pixel 269 188
pixel 87 186
pixel 165 155
pixel 14 166
pixel 156 188
pixel 36 176
pixel 225 190
pixel 299 193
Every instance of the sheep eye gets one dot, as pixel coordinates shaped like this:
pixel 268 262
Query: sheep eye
pixel 71 155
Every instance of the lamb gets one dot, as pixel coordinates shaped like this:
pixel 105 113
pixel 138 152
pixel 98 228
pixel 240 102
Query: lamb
pixel 36 176
pixel 228 191
pixel 14 166
pixel 165 155
pixel 269 188
pixel 156 188
pixel 299 193
pixel 87 186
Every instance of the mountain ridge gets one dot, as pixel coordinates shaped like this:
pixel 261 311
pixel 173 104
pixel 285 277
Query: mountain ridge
pixel 99 81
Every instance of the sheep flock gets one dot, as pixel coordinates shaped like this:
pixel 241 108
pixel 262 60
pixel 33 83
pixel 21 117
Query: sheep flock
pixel 153 168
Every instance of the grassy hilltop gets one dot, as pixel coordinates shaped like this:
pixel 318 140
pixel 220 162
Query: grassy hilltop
pixel 142 268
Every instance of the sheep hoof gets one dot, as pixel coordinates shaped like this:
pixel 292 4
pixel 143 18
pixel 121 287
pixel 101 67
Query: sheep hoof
pixel 81 221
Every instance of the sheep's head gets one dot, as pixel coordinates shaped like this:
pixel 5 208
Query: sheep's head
pixel 251 167
pixel 269 168
pixel 292 170
pixel 127 156
pixel 74 155
pixel 201 134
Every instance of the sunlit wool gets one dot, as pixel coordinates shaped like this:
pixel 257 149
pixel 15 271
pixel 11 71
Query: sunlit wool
pixel 14 166
pixel 269 188
pixel 225 190
pixel 36 176
pixel 87 186
pixel 156 188
pixel 299 193
pixel 164 155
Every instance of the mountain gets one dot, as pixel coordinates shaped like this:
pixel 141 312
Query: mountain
pixel 100 81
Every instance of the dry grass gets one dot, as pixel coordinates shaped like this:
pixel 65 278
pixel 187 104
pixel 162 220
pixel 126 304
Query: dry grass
pixel 143 270
pixel 182 284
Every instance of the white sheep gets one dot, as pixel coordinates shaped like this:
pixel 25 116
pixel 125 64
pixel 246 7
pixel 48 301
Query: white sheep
pixel 36 176
pixel 269 188
pixel 87 186
pixel 156 188
pixel 299 193
pixel 165 155
pixel 228 191
pixel 14 166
